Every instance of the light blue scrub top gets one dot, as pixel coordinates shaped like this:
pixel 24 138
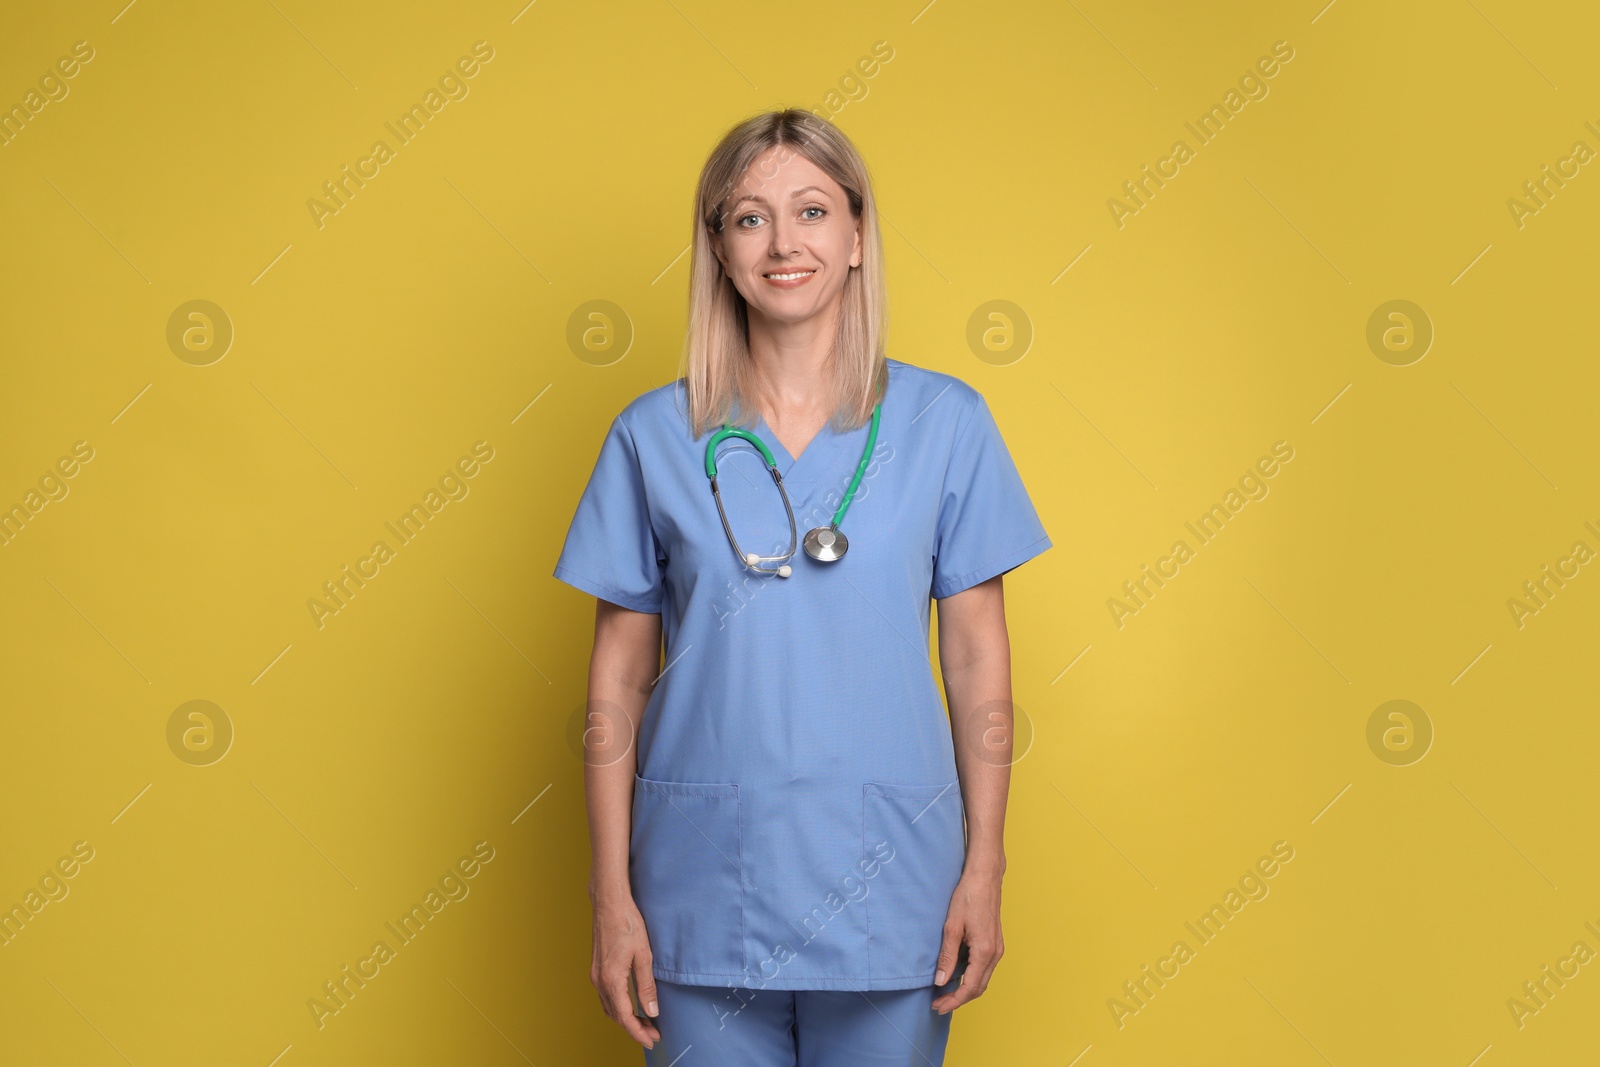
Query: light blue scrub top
pixel 797 819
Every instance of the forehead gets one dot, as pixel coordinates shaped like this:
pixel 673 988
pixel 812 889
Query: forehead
pixel 778 173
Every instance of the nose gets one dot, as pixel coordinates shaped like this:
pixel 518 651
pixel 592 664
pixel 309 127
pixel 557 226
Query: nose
pixel 785 236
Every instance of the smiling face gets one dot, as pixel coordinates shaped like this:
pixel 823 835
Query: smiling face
pixel 788 241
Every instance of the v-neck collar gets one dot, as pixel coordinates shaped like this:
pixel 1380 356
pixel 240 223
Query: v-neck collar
pixel 824 448
pixel 825 443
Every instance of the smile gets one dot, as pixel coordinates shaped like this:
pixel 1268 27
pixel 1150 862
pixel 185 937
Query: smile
pixel 793 277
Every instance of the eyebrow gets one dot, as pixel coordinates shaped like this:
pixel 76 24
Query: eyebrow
pixel 797 192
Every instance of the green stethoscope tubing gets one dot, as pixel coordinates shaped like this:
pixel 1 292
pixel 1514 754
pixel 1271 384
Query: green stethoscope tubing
pixel 728 431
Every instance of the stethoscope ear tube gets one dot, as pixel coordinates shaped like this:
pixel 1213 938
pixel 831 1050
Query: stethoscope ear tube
pixel 824 544
pixel 752 560
pixel 744 435
pixel 861 468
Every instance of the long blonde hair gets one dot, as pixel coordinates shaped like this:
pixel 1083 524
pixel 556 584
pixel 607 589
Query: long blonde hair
pixel 716 352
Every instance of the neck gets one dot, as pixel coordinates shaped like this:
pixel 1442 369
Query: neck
pixel 791 360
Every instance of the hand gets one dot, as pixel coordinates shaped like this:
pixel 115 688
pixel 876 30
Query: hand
pixel 974 918
pixel 621 947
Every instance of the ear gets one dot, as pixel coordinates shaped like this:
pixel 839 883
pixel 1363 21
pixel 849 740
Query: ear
pixel 716 247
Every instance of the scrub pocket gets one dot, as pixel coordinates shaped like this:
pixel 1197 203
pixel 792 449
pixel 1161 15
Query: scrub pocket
pixel 686 866
pixel 917 833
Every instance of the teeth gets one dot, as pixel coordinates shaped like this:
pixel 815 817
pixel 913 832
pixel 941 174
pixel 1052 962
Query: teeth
pixel 790 277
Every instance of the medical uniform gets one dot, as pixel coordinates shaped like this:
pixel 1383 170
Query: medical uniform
pixel 797 819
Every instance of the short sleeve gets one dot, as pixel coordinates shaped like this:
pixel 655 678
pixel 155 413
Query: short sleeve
pixel 611 550
pixel 987 525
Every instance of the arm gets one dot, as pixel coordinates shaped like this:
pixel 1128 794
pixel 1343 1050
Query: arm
pixel 622 672
pixel 975 660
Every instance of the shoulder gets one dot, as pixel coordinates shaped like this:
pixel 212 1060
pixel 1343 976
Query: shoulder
pixel 927 392
pixel 657 410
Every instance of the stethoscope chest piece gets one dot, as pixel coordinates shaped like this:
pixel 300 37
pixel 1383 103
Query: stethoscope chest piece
pixel 826 544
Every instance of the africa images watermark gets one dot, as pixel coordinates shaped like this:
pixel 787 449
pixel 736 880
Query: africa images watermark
pixel 738 596
pixel 1137 593
pixel 1541 190
pixel 1252 885
pixel 1538 992
pixel 1538 592
pixel 814 922
pixel 1253 86
pixel 852 86
pixel 341 990
pixel 52 488
pixel 452 86
pixel 52 889
pixel 15 119
pixel 340 591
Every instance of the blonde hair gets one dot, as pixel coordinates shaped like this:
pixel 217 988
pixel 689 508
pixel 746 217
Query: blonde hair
pixel 716 353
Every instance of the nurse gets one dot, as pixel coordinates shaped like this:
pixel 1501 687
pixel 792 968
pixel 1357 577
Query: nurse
pixel 797 854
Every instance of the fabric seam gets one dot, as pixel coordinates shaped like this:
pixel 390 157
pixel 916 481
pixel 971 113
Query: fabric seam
pixel 866 906
pixel 616 596
pixel 944 479
pixel 644 486
pixel 960 579
pixel 846 983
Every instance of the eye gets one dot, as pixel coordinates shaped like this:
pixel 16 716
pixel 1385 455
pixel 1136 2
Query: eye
pixel 822 211
pixel 741 224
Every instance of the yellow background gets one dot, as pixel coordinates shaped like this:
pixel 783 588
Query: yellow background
pixel 435 310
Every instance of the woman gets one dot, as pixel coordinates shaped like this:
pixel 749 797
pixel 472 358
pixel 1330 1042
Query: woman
pixel 796 856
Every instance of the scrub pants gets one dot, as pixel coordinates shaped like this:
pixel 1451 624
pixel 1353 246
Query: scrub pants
pixel 715 1026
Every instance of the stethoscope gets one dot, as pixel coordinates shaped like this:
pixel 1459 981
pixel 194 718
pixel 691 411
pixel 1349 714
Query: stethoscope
pixel 823 544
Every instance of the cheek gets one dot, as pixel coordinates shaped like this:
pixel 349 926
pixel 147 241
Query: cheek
pixel 843 248
pixel 746 262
